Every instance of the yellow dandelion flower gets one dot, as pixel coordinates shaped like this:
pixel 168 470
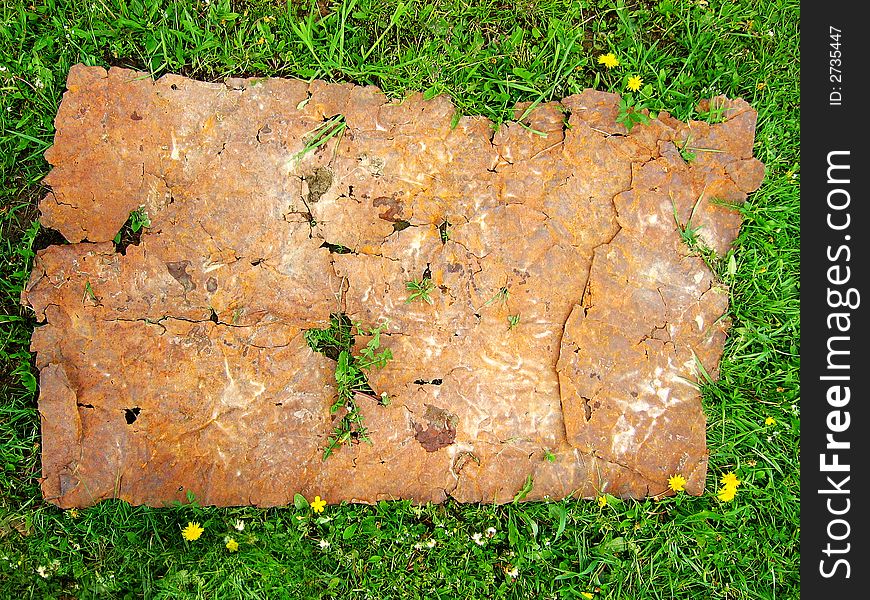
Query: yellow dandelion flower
pixel 677 483
pixel 192 531
pixel 609 60
pixel 770 421
pixel 730 480
pixel 318 505
pixel 634 83
pixel 602 501
pixel 587 594
pixel 232 545
pixel 727 493
pixel 73 513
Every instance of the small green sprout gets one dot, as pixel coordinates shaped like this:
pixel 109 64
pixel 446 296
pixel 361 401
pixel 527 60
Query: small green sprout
pixel 689 235
pixel 513 321
pixel 630 113
pixel 89 293
pixel 324 132
pixel 444 231
pixel 501 295
pixel 686 151
pixel 137 221
pixel 690 153
pixel 420 290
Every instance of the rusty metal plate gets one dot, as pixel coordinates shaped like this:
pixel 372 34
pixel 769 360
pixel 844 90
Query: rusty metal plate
pixel 557 341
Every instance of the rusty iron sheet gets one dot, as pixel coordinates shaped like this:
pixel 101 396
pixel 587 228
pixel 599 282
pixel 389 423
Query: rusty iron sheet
pixel 561 344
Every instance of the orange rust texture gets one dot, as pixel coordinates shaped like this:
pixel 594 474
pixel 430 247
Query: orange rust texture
pixel 180 364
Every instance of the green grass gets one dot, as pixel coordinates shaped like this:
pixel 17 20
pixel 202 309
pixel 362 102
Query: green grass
pixel 486 55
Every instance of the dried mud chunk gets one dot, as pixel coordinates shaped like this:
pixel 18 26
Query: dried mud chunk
pixel 319 184
pixel 545 316
pixel 440 429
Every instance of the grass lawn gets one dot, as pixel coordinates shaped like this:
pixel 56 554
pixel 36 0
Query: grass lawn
pixel 487 55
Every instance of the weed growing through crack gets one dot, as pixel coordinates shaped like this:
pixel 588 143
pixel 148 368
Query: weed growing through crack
pixel 630 112
pixel 686 151
pixel 89 294
pixel 444 231
pixel 501 296
pixel 690 153
pixel 689 236
pixel 324 132
pixel 129 233
pixel 420 290
pixel 336 342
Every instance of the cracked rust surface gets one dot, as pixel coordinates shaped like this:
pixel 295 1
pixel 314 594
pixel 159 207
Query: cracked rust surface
pixel 180 364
